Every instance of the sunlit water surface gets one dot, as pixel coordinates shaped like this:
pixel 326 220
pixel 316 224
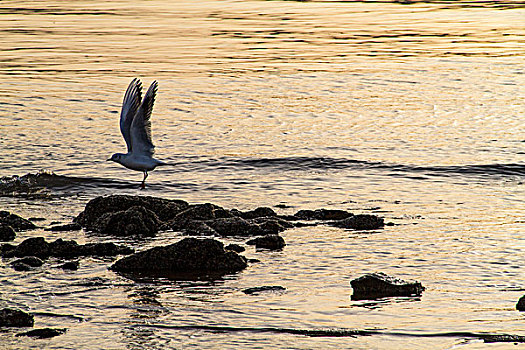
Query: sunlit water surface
pixel 409 111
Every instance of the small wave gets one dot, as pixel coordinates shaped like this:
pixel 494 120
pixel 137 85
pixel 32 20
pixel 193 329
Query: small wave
pixel 39 185
pixel 326 163
pixel 486 337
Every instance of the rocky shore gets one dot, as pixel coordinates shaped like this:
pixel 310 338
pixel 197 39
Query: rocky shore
pixel 201 255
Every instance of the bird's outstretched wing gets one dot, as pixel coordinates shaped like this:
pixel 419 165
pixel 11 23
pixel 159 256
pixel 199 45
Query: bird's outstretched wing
pixel 140 130
pixel 130 106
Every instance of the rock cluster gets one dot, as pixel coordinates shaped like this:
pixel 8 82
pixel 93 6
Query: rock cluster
pixel 379 285
pixel 124 215
pixel 38 247
pixel 12 223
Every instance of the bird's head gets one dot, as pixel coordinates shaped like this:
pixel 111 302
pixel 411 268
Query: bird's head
pixel 117 157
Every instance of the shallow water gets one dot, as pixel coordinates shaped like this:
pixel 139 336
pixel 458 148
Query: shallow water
pixel 409 111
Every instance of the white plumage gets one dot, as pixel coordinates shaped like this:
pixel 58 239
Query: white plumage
pixel 135 126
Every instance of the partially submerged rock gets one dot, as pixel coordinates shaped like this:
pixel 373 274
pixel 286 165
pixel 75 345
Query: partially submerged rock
pixel 43 333
pixel 124 215
pixel 190 256
pixel 16 222
pixel 66 227
pixel 235 247
pixel 95 214
pixel 7 233
pixel 26 263
pixel 38 247
pixel 136 220
pixel 272 242
pixel 379 285
pixel 70 265
pixel 322 214
pixel 360 222
pixel 520 306
pixel 255 290
pixel 15 318
pixel 502 338
pixel 237 226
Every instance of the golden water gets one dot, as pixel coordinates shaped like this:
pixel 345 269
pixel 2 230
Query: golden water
pixel 410 111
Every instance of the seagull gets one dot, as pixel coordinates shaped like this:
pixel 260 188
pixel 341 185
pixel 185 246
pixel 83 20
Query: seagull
pixel 135 126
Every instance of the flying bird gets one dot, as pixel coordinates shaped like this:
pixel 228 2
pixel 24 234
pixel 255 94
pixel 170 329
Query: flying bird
pixel 135 126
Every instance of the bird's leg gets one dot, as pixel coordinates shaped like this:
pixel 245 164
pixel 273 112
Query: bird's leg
pixel 143 184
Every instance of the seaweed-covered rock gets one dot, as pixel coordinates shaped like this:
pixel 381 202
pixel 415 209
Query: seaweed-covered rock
pixel 164 209
pixel 271 242
pixel 7 233
pixel 16 222
pixel 15 318
pixel 322 214
pixel 255 290
pixel 234 226
pixel 190 256
pixel 66 227
pixel 379 285
pixel 198 212
pixel 38 247
pixel 256 213
pixel 135 220
pixel 360 222
pixel 520 306
pixel 43 333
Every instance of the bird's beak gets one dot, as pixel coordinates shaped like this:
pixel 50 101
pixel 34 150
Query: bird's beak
pixel 107 160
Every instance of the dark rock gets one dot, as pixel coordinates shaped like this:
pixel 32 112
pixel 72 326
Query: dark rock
pixel 136 220
pixel 36 219
pixel 256 213
pixel 16 222
pixel 189 256
pixel 268 242
pixel 37 246
pixel 361 222
pixel 164 209
pixel 43 333
pixel 67 227
pixel 15 318
pixel 520 306
pixel 502 338
pixel 379 285
pixel 26 263
pixel 199 212
pixel 70 265
pixel 7 233
pixel 235 247
pixel 272 226
pixel 6 247
pixel 234 226
pixel 199 228
pixel 20 266
pixel 254 290
pixel 322 214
